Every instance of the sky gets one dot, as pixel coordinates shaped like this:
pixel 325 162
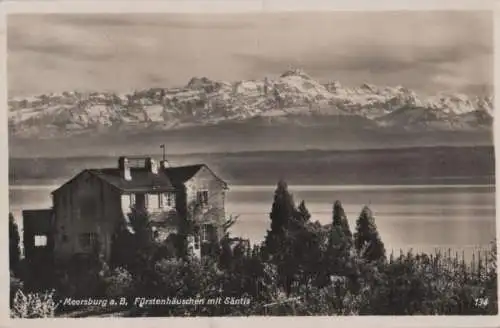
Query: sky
pixel 425 51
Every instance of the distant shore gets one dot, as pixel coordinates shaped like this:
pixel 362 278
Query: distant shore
pixel 403 166
pixel 32 185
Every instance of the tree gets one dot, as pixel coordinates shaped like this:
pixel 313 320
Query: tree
pixel 292 239
pixel 340 219
pixel 366 239
pixel 303 213
pixel 310 245
pixel 338 259
pixel 14 247
pixel 133 243
pixel 282 213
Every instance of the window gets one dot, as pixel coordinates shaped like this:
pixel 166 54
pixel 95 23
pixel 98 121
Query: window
pixel 88 239
pixel 40 240
pixel 206 233
pixel 202 197
pixel 152 201
pixel 132 200
pixel 140 201
pixel 167 199
pixel 125 199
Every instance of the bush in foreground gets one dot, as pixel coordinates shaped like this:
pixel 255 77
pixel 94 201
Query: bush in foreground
pixel 33 305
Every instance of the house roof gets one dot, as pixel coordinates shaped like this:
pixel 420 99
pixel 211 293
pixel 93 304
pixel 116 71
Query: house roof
pixel 181 174
pixel 143 180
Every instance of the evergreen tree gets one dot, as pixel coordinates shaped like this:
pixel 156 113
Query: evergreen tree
pixel 340 219
pixel 14 247
pixel 282 213
pixel 338 251
pixel 303 213
pixel 338 254
pixel 310 245
pixel 366 239
pixel 289 242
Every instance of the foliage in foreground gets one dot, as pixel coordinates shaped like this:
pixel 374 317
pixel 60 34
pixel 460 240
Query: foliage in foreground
pixel 33 305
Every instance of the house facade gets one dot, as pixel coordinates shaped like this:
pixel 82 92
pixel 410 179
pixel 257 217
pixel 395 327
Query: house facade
pixel 88 208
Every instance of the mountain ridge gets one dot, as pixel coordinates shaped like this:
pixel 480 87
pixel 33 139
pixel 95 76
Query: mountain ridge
pixel 294 98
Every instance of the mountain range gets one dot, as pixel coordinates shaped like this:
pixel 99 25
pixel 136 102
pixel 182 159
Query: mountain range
pixel 293 100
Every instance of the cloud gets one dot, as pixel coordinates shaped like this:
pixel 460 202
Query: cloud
pixel 419 70
pixel 184 21
pixel 66 51
pixel 422 50
pixel 418 57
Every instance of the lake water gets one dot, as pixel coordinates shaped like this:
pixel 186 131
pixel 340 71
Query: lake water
pixel 423 218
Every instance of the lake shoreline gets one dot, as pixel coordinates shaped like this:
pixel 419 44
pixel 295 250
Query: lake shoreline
pixel 40 184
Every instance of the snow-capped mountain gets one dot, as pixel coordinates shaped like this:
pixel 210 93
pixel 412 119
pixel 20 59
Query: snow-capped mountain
pixel 293 97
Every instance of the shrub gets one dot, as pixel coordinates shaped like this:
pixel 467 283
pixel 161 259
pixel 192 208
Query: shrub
pixel 14 248
pixel 81 277
pixel 33 305
pixel 119 283
pixel 15 285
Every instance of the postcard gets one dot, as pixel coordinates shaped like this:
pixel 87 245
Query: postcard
pixel 311 164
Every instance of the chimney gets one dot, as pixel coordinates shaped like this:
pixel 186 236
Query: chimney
pixel 124 167
pixel 152 165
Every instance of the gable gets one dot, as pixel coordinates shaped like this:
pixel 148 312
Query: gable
pixel 83 175
pixel 205 174
pixel 180 174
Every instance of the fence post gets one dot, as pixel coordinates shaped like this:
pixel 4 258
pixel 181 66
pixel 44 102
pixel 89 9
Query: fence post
pixel 480 265
pixel 473 261
pixel 486 261
pixel 448 262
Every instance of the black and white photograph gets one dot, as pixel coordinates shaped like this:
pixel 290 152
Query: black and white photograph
pixel 235 164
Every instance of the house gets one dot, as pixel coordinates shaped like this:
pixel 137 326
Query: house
pixel 88 208
pixel 38 236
